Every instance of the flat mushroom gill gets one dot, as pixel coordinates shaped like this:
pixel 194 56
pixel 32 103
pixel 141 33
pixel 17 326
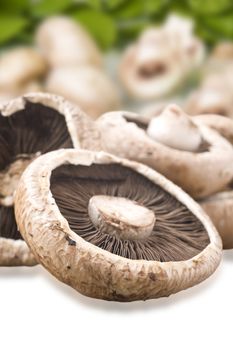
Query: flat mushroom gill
pixel 27 133
pixel 176 235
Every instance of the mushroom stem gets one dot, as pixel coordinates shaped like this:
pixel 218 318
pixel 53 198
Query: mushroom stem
pixel 175 129
pixel 121 217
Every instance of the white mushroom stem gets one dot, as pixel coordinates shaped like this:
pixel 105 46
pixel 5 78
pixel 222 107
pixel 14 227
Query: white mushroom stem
pixel 9 178
pixel 175 129
pixel 121 217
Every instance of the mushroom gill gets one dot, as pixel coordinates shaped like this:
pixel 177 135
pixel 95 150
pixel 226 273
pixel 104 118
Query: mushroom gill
pixel 24 135
pixel 176 234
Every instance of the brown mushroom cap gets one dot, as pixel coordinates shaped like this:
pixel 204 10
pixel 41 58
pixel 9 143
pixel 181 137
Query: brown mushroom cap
pixel 64 42
pixel 20 66
pixel 66 242
pixel 161 59
pixel 29 126
pixel 87 86
pixel 200 173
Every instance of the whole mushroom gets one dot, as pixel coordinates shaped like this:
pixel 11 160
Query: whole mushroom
pixel 87 86
pixel 29 126
pixel 199 159
pixel 21 70
pixel 64 42
pixel 161 59
pixel 113 229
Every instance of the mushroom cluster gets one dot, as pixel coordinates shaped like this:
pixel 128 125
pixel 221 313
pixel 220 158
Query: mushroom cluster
pixel 113 229
pixel 29 126
pixel 66 61
pixel 161 59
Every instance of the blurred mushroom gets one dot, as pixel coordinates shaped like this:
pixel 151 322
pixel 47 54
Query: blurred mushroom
pixel 161 59
pixel 114 229
pixel 19 68
pixel 64 42
pixel 29 126
pixel 215 96
pixel 193 156
pixel 87 86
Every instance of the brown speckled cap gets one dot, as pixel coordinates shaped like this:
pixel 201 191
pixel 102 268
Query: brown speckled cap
pixel 201 172
pixel 112 228
pixel 29 126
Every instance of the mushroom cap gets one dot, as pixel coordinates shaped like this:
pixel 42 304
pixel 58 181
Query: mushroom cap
pixel 219 207
pixel 84 266
pixel 87 86
pixel 19 66
pixel 64 42
pixel 221 124
pixel 223 51
pixel 161 59
pixel 193 171
pixel 13 250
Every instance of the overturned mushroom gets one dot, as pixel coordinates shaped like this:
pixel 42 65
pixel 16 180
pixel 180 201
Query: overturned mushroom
pixel 19 68
pixel 87 86
pixel 161 59
pixel 219 206
pixel 64 42
pixel 29 126
pixel 183 151
pixel 113 229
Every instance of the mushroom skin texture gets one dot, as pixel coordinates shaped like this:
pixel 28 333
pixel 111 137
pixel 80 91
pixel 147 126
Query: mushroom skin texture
pixel 161 59
pixel 87 268
pixel 192 171
pixel 64 42
pixel 19 67
pixel 87 86
pixel 22 141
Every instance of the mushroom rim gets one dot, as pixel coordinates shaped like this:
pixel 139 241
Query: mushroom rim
pixel 43 168
pixel 208 133
pixel 70 112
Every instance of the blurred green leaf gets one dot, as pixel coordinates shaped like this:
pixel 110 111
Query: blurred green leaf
pixel 112 4
pixel 48 7
pixel 152 6
pixel 130 9
pixel 96 4
pixel 222 25
pixel 14 6
pixel 209 7
pixel 100 25
pixel 10 26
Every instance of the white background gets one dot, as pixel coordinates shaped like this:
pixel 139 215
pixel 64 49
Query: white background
pixel 39 312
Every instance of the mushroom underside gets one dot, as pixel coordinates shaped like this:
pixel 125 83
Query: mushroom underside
pixel 177 234
pixel 24 135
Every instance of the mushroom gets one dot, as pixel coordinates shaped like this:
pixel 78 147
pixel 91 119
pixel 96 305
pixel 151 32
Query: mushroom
pixel 214 96
pixel 223 52
pixel 87 86
pixel 161 59
pixel 219 206
pixel 29 126
pixel 199 160
pixel 19 68
pixel 64 42
pixel 113 229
